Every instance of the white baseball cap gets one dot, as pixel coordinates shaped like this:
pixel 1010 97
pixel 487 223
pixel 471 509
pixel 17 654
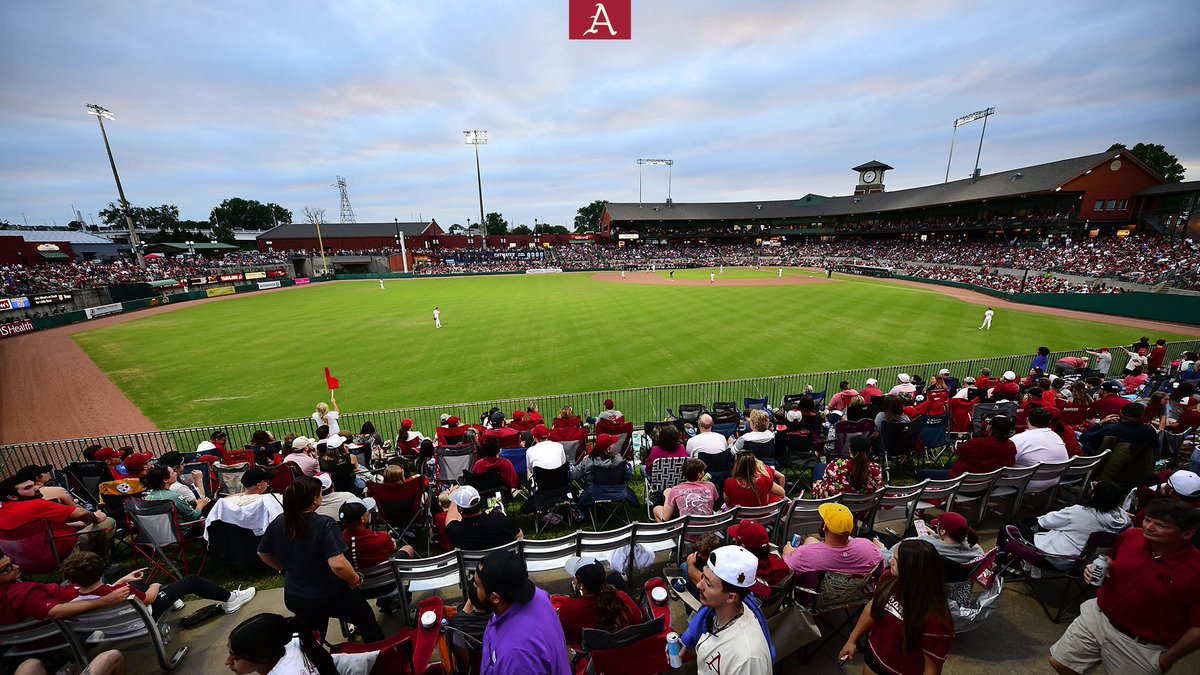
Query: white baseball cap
pixel 326 481
pixel 872 381
pixel 1186 483
pixel 465 496
pixel 944 371
pixel 301 442
pixel 367 502
pixel 575 562
pixel 1010 375
pixel 738 567
pixel 335 441
pixel 904 377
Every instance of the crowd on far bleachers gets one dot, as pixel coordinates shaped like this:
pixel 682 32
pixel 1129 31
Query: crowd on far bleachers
pixel 81 274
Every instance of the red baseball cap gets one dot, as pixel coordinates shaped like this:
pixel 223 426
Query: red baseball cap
pixel 751 534
pixel 138 461
pixel 105 454
pixel 954 524
pixel 540 431
pixel 518 415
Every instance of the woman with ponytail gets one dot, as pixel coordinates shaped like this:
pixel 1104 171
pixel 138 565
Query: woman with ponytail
pixel 270 644
pixel 907 624
pixel 599 604
pixel 319 582
pixel 857 475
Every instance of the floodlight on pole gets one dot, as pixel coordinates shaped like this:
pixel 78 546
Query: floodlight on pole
pixel 102 114
pixel 477 138
pixel 966 119
pixel 669 163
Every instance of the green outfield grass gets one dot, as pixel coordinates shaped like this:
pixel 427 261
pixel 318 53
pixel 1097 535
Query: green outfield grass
pixel 261 356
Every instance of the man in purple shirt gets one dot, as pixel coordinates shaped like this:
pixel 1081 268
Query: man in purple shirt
pixel 524 635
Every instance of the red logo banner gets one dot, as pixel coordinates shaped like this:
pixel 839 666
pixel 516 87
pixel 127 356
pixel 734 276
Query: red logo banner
pixel 600 20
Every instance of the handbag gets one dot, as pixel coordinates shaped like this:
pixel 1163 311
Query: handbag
pixel 201 615
pixel 792 627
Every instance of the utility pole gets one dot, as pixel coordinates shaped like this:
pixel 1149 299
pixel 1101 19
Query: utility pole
pixel 134 243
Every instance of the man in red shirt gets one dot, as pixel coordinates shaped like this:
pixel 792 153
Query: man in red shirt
pixel 1147 613
pixel 1157 355
pixel 1006 389
pixel 871 391
pixel 22 600
pixel 23 504
pixel 752 536
pixel 366 547
pixel 1110 402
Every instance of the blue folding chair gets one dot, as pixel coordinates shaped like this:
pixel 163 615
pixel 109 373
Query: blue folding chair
pixel 755 403
pixel 933 436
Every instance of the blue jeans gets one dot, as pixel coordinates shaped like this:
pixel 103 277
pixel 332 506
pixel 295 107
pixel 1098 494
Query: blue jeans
pixel 687 580
pixel 1194 463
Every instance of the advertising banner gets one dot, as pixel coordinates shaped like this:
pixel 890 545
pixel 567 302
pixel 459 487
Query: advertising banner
pixel 102 310
pixel 276 274
pixel 300 281
pixel 51 298
pixel 251 276
pixel 230 277
pixel 19 303
pixel 214 292
pixel 264 285
pixel 16 328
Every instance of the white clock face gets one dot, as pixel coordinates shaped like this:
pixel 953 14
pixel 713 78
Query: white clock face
pixel 1116 165
pixel 869 176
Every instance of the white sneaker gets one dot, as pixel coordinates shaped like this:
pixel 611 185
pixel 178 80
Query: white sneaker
pixel 237 599
pixel 177 605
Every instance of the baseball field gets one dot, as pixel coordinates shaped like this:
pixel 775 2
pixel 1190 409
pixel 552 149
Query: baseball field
pixel 262 356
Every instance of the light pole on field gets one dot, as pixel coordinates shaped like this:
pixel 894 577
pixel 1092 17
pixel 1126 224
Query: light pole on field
pixel 477 138
pixel 102 114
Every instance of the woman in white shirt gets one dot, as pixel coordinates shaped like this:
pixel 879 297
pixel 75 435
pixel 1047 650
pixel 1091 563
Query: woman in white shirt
pixel 326 417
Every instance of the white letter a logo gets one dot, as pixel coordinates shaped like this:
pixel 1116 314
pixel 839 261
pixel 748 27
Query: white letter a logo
pixel 597 21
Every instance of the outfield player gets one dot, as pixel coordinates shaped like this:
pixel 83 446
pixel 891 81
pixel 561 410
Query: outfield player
pixel 437 318
pixel 987 319
pixel 780 272
pixel 381 283
pixel 712 276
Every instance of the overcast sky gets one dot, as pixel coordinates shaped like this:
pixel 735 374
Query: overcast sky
pixel 753 99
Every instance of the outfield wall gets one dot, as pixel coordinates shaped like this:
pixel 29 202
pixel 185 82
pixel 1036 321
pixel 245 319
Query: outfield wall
pixel 638 404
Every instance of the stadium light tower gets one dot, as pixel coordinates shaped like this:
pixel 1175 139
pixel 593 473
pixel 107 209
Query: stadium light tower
pixel 655 162
pixel 477 138
pixel 966 119
pixel 102 114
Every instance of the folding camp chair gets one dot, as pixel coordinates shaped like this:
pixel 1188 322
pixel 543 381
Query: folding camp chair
pixel 657 537
pixel 231 545
pixel 755 403
pixel 960 416
pixel 818 398
pixel 489 484
pixel 34 547
pixel 714 523
pixel 230 477
pixel 844 430
pixel 159 536
pixel 691 412
pixel 967 609
pixel 624 443
pixel 1074 483
pixel 574 442
pixel 666 472
pixel 454 461
pixel 566 422
pixel 608 494
pixel 450 436
pixel 408 447
pixel 1046 471
pixel 768 515
pixel 939 494
pixel 379 583
pixel 403 506
pixel 552 491
pixel 1075 589
pixel 285 474
pixel 410 650
pixel 122 622
pixel 835 602
pixel 208 483
pixel 898 440
pixel 541 555
pixel 606 425
pixel 764 450
pixel 83 480
pixel 933 436
pixel 984 412
pixel 265 455
pixel 718 465
pixel 230 457
pixel 633 650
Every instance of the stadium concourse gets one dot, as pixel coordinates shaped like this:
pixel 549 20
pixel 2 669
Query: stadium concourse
pixel 816 494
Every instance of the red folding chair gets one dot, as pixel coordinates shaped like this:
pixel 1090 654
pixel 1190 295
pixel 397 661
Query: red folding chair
pixel 506 436
pixel 409 651
pixel 563 422
pixel 573 439
pixel 286 474
pixel 937 398
pixel 403 506
pixel 610 426
pixel 230 457
pixel 34 547
pixel 447 437
pixel 960 415
pixel 409 447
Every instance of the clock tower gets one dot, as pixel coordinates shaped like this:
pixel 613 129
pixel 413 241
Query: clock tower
pixel 870 177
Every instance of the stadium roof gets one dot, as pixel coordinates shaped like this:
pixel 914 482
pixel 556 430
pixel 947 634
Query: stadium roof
pixel 1039 178
pixel 179 246
pixel 309 231
pixel 1171 189
pixel 66 236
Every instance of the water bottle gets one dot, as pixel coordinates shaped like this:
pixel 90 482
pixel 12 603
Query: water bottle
pixel 1099 570
pixel 673 650
pixel 795 541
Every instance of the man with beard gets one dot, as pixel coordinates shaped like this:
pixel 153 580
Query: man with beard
pixel 524 634
pixel 21 503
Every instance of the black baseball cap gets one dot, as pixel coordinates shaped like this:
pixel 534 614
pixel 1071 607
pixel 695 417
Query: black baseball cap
pixel 172 458
pixel 32 471
pixel 254 475
pixel 504 573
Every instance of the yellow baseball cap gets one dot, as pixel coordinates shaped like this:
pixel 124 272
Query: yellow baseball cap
pixel 838 519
